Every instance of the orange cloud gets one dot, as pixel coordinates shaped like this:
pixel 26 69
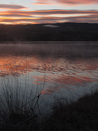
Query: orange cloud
pixel 66 2
pixel 43 2
pixel 49 12
pixel 44 16
pixel 88 19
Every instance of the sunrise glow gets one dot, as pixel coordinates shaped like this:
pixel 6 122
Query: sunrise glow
pixel 48 11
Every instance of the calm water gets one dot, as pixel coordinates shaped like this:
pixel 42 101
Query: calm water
pixel 56 70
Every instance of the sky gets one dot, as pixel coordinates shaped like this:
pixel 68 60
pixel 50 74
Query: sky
pixel 48 11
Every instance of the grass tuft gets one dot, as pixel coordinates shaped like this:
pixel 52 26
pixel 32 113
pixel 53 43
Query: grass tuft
pixel 22 116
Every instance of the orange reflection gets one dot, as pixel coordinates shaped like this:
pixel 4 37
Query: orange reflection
pixel 22 64
pixel 54 74
pixel 62 82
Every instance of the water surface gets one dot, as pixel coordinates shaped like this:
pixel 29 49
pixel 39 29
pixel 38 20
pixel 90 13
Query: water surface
pixel 56 70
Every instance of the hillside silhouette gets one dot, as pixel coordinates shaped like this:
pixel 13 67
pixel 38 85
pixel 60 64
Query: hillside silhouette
pixel 44 32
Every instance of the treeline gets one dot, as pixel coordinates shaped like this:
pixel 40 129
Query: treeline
pixel 39 32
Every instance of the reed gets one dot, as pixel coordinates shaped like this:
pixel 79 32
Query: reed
pixel 20 110
pixel 19 107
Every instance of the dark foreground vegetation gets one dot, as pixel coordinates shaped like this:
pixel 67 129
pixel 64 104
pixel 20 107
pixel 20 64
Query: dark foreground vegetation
pixel 77 116
pixel 39 32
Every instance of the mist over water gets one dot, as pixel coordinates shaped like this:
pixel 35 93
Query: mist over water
pixel 57 70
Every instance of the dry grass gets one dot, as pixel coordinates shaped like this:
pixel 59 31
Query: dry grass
pixel 76 116
pixel 19 107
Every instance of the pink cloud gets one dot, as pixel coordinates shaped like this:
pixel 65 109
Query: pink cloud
pixel 81 19
pixel 49 12
pixel 67 2
pixel 7 6
pixel 44 16
pixel 72 2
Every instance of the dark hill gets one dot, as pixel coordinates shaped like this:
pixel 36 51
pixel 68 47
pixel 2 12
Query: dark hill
pixel 39 32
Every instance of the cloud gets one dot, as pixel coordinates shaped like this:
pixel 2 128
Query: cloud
pixel 49 12
pixel 14 15
pixel 45 16
pixel 43 2
pixel 75 2
pixel 80 19
pixel 37 20
pixel 7 6
pixel 67 2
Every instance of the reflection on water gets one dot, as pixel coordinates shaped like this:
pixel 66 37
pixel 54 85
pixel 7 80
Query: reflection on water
pixel 58 75
pixel 55 73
